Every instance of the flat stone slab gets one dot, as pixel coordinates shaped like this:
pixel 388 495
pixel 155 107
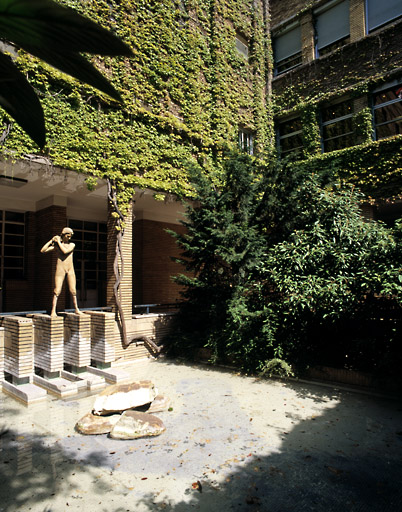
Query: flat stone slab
pixel 58 386
pixel 121 397
pixel 161 403
pixel 135 424
pixel 91 424
pixel 25 393
pixel 85 380
pixel 111 375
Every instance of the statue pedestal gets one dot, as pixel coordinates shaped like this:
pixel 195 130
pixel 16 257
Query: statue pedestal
pixel 17 360
pixel 103 337
pixel 49 356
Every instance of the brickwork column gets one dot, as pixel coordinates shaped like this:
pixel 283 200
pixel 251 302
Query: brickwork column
pixel 18 347
pixel 49 222
pixel 102 336
pixel 49 336
pixel 77 340
pixel 126 283
pixel 1 354
pixel 357 20
pixel 307 37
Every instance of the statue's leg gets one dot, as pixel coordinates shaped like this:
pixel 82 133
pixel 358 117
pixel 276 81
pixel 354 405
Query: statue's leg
pixel 71 284
pixel 59 278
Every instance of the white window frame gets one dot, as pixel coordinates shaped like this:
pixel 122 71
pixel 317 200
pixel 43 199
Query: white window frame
pixel 246 141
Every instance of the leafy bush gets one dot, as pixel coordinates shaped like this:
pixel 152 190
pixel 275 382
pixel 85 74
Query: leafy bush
pixel 277 261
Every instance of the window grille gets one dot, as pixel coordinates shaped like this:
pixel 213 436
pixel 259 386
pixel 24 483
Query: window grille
pixel 12 245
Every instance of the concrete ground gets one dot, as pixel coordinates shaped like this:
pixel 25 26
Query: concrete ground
pixel 231 443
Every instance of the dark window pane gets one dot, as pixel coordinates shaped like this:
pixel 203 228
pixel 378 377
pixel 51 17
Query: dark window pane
pixel 15 216
pixel 91 237
pixel 388 130
pixel 90 246
pixel 75 224
pixel 13 262
pixel 102 227
pixel 338 110
pixel 13 251
pixel 14 229
pixel 90 226
pixel 294 125
pixel 13 240
pixel 388 113
pixel 289 63
pixel 13 274
pixel 102 238
pixel 91 285
pixel 337 129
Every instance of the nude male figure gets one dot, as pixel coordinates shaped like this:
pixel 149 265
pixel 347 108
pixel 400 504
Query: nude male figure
pixel 64 267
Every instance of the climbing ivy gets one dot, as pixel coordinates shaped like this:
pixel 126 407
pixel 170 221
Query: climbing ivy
pixel 186 91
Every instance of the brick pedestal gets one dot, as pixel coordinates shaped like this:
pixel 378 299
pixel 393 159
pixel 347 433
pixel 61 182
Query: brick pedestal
pixel 18 347
pixel 1 354
pixel 102 336
pixel 77 340
pixel 49 335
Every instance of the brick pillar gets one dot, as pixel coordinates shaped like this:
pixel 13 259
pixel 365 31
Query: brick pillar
pixel 357 20
pixel 49 334
pixel 127 281
pixel 307 37
pixel 77 340
pixel 102 336
pixel 1 354
pixel 49 221
pixel 18 346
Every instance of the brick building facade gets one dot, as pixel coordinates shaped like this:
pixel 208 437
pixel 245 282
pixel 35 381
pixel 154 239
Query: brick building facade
pixel 338 86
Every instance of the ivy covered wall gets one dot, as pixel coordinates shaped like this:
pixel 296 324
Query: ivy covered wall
pixel 186 91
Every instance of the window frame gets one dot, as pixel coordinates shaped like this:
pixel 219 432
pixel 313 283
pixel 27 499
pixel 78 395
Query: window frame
pixel 386 87
pixel 3 245
pixel 246 140
pixel 337 43
pixel 297 150
pixel 369 30
pixel 324 124
pixel 296 55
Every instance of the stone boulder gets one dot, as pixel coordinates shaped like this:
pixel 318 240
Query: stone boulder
pixel 135 424
pixel 120 397
pixel 160 403
pixel 91 424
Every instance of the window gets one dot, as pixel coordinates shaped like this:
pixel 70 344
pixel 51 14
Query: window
pixel 241 46
pixel 380 12
pixel 331 26
pixel 246 141
pixel 290 137
pixel 337 126
pixel 387 105
pixel 90 240
pixel 12 244
pixel 287 49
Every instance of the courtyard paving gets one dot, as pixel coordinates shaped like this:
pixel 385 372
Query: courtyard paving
pixel 231 443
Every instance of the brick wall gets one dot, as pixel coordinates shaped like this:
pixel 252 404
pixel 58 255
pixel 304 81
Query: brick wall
pixel 282 10
pixel 153 250
pixel 374 56
pixel 357 20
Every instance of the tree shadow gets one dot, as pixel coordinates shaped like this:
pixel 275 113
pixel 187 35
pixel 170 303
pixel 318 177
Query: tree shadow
pixel 342 459
pixel 35 470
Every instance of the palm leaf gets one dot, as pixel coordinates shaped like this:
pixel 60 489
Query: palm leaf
pixel 46 24
pixel 19 100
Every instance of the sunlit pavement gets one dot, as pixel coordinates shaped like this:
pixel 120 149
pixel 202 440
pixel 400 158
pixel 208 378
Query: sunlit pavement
pixel 231 443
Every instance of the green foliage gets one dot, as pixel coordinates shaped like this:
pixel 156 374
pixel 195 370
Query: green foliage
pixel 275 258
pixel 276 368
pixel 57 35
pixel 185 90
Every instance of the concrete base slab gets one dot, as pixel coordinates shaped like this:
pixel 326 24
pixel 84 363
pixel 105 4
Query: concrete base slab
pixel 59 386
pixel 85 380
pixel 25 393
pixel 111 375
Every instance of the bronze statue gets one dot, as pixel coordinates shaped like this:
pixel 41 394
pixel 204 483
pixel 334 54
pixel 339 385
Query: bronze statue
pixel 65 266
